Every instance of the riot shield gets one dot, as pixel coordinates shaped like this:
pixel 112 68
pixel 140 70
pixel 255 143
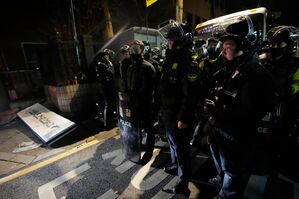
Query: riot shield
pixel 129 127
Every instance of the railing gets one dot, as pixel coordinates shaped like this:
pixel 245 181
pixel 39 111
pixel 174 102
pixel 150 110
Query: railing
pixel 22 84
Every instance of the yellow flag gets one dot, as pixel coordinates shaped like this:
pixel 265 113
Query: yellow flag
pixel 150 2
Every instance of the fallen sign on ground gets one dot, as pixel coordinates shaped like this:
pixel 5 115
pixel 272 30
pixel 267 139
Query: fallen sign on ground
pixel 46 124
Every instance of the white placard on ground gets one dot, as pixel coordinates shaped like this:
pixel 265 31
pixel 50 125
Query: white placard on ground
pixel 45 123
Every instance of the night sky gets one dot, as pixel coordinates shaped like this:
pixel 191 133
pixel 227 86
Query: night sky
pixel 20 17
pixel 24 16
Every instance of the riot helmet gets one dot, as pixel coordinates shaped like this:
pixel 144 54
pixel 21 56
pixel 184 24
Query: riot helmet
pixel 156 52
pixel 237 34
pixel 102 57
pixel 110 53
pixel 280 41
pixel 199 44
pixel 179 36
pixel 200 48
pixel 124 49
pixel 136 51
pixel 212 40
pixel 213 47
pixel 240 29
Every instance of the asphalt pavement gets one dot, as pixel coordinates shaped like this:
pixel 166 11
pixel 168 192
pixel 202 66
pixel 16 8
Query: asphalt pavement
pixel 98 169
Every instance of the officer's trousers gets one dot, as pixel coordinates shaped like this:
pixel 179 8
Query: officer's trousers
pixel 178 140
pixel 231 172
pixel 110 106
pixel 147 128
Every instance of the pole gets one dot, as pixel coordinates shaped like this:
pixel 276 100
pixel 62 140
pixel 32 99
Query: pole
pixel 75 33
pixel 146 22
pixel 108 33
pixel 179 11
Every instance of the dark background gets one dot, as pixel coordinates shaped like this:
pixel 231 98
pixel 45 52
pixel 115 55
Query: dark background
pixel 37 18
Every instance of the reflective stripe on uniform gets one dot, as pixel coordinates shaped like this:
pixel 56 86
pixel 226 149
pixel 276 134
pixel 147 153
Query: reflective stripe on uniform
pixel 213 60
pixel 295 84
pixel 174 66
pixel 201 65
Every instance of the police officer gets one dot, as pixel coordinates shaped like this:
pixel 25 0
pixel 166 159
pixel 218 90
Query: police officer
pixel 284 67
pixel 156 55
pixel 246 96
pixel 152 56
pixel 121 69
pixel 200 51
pixel 209 65
pixel 213 47
pixel 140 82
pixel 180 86
pixel 104 74
pixel 110 53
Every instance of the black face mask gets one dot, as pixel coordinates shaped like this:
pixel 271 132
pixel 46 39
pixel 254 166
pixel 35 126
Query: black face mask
pixel 277 52
pixel 136 58
pixel 212 52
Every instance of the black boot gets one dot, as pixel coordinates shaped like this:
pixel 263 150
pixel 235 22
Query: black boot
pixel 146 157
pixel 181 188
pixel 171 169
pixel 216 182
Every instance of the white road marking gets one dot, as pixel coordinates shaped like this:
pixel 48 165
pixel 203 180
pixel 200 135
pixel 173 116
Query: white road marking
pixel 167 195
pixel 109 195
pixel 46 191
pixel 117 155
pixel 125 166
pixel 138 178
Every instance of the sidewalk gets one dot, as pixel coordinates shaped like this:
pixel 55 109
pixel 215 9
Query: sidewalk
pixel 20 147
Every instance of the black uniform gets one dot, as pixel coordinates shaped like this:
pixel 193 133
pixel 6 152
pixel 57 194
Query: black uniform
pixel 283 72
pixel 105 76
pixel 208 68
pixel 247 94
pixel 180 88
pixel 157 92
pixel 121 74
pixel 140 81
pixel 285 145
pixel 136 109
pixel 101 71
